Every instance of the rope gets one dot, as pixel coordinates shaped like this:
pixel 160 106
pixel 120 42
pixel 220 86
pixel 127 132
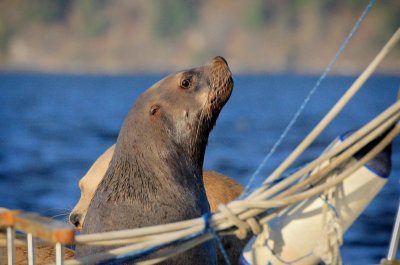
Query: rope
pixel 208 228
pixel 306 100
pixel 145 252
pixel 328 246
pixel 242 226
pixel 142 253
pixel 329 205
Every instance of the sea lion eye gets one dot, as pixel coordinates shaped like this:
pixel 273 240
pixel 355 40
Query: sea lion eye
pixel 185 83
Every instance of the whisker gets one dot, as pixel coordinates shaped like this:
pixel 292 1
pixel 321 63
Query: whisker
pixel 57 209
pixel 62 212
pixel 58 215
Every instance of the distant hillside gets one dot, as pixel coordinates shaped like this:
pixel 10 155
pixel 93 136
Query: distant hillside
pixel 139 36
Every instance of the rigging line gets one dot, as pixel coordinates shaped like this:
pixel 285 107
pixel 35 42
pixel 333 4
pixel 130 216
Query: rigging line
pixel 306 100
pixel 135 255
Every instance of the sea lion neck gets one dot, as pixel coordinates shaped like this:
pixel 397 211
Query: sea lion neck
pixel 145 162
pixel 159 140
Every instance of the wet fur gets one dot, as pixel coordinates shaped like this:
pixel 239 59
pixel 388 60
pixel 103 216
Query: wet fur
pixel 155 175
pixel 219 189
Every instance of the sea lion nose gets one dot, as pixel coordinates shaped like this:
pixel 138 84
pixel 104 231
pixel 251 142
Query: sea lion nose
pixel 219 61
pixel 74 219
pixel 219 64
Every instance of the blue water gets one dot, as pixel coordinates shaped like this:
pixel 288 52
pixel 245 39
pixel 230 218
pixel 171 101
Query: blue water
pixel 53 127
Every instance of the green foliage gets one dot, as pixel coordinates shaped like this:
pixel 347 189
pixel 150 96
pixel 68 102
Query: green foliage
pixel 5 35
pixel 253 15
pixel 354 4
pixel 304 3
pixel 93 13
pixel 391 21
pixel 328 6
pixel 197 56
pixel 172 17
pixel 262 12
pixel 46 11
pixel 258 13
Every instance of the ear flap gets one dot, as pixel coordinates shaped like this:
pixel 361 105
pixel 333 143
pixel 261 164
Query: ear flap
pixel 155 109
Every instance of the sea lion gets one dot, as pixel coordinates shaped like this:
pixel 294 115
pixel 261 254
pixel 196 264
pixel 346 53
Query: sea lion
pixel 88 186
pixel 155 174
pixel 219 188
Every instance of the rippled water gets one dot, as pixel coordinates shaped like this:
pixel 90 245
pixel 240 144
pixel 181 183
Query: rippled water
pixel 53 127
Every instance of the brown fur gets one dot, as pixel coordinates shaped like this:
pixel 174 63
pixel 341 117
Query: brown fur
pixel 155 175
pixel 219 189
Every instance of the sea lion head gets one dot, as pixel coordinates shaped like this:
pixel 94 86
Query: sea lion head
pixel 180 110
pixel 88 186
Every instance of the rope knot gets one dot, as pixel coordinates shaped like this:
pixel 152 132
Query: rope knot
pixel 242 226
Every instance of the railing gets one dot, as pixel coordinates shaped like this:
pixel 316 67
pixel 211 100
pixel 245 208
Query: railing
pixel 32 225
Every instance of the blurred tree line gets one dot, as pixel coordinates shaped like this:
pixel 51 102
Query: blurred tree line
pixel 263 12
pixel 16 14
pixel 171 17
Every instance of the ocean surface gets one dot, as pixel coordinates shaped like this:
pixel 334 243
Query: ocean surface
pixel 53 127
